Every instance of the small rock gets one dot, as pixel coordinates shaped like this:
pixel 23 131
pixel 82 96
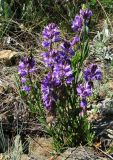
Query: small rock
pixel 104 132
pixel 80 153
pixel 8 56
pixel 40 148
pixel 106 107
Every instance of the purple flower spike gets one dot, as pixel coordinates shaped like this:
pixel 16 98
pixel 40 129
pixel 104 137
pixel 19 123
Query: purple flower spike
pixel 84 90
pixel 77 23
pixel 86 13
pixel 26 68
pixel 50 34
pixel 49 96
pixel 92 73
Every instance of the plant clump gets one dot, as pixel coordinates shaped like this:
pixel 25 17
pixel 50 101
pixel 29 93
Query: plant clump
pixel 65 89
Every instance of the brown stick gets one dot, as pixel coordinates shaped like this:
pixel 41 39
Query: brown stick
pixel 107 155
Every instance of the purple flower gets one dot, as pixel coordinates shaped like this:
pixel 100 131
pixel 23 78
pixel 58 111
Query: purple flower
pixel 23 79
pixel 77 23
pixel 50 34
pixel 55 57
pixel 63 73
pixel 92 73
pixel 26 68
pixel 46 44
pixel 49 95
pixel 75 40
pixel 26 88
pixel 21 65
pixel 22 72
pixel 86 14
pixel 67 48
pixel 83 103
pixel 50 58
pixel 84 90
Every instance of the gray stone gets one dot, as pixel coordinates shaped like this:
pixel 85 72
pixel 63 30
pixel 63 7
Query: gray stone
pixel 80 153
pixel 104 131
pixel 106 107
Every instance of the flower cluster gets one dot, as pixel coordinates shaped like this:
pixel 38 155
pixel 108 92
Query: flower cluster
pixel 77 23
pixel 86 14
pixel 58 62
pixel 81 19
pixel 26 67
pixel 84 91
pixel 63 73
pixel 91 74
pixel 50 34
pixel 67 48
pixel 62 87
pixel 48 91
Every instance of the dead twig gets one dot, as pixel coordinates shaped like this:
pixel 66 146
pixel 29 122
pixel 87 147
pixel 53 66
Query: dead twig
pixel 107 155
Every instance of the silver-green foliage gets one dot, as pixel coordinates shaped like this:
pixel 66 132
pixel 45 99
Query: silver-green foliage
pixel 17 149
pixel 100 47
